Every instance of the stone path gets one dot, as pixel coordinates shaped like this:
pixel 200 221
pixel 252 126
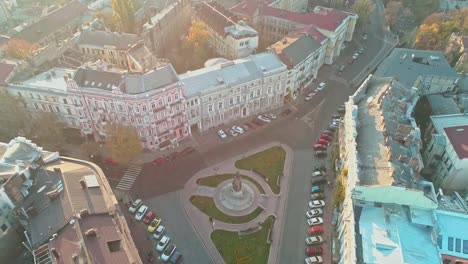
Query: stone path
pixel 273 204
pixel 129 177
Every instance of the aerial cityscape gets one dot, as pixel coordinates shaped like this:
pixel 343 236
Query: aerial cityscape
pixel 234 131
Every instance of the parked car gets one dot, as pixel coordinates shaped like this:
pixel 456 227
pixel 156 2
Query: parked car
pixel 341 110
pixel 336 116
pixel 316 203
pixel 317 195
pixel 271 116
pixel 110 161
pixel 221 134
pixel 313 260
pixel 328 132
pixel 264 118
pixel 168 252
pixel 162 244
pixel 317 173
pixel 320 147
pixel 187 151
pixel 315 221
pixel 314 240
pixel 176 257
pixel 258 122
pixel 149 217
pixel 174 155
pixel 309 96
pixel 251 125
pixel 326 137
pixel 319 180
pixel 361 51
pixel 341 69
pixel 135 205
pixel 141 212
pixel 351 61
pixel 315 189
pixel 314 213
pixel 232 133
pixel 155 223
pixel 311 251
pixel 320 154
pixel 355 55
pixel 322 141
pixel 364 37
pixel 159 161
pixel 238 129
pixel 159 232
pixel 245 127
pixel 286 112
pixel 331 128
pixel 321 86
pixel 315 230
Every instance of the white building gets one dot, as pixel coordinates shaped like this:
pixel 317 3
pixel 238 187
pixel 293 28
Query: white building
pixel 229 38
pixel 228 91
pixel 446 153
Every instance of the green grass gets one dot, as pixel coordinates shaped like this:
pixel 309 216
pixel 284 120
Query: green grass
pixel 207 206
pixel 269 163
pixel 215 180
pixel 252 248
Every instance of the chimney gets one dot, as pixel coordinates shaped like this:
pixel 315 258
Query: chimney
pixel 83 184
pixel 65 78
pixel 84 213
pixel 91 233
pixel 55 253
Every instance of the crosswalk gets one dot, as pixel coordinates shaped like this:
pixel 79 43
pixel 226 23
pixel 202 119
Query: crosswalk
pixel 339 79
pixel 129 177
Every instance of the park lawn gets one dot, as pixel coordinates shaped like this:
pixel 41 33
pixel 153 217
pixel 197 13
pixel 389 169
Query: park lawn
pixel 215 180
pixel 252 248
pixel 207 206
pixel 268 163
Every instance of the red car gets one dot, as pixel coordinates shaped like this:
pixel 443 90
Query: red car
pixel 159 161
pixel 315 230
pixel 251 125
pixel 149 217
pixel 310 251
pixel 326 137
pixel 322 141
pixel 320 147
pixel 110 161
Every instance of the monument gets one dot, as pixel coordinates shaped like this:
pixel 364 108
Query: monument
pixel 237 185
pixel 236 195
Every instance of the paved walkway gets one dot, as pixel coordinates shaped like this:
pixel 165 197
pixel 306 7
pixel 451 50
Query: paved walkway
pixel 129 178
pixel 273 204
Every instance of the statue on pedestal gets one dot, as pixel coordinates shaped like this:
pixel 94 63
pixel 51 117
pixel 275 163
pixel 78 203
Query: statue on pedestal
pixel 237 183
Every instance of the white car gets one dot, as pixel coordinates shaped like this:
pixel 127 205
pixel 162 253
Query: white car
pixel 316 204
pixel 321 86
pixel 168 252
pixel 264 119
pixel 233 133
pixel 141 212
pixel 315 221
pixel 221 134
pixel 271 116
pixel 238 129
pixel 313 260
pixel 317 173
pixel 355 55
pixel 309 96
pixel 314 240
pixel 364 36
pixel 159 232
pixel 314 212
pixel 135 205
pixel 162 244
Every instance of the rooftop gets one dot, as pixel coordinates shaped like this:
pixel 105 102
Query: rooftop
pixel 294 48
pixel 408 64
pixel 52 22
pixel 151 80
pixel 230 73
pixel 388 139
pixel 121 41
pixel 458 137
pixel 442 105
pixel 389 236
pixel 5 72
pixel 452 240
pixel 249 7
pixel 104 80
pixel 159 16
pixel 51 79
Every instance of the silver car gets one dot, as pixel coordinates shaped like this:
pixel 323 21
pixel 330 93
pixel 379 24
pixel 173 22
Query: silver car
pixel 264 119
pixel 238 129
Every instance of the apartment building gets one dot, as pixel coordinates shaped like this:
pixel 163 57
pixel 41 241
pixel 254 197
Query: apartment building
pixel 231 90
pixel 293 5
pixel 274 23
pixel 55 26
pixel 164 29
pixel 446 154
pixel 228 36
pixel 303 51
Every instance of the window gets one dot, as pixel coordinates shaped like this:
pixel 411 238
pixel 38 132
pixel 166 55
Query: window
pixel 137 109
pixel 269 89
pixel 160 102
pixel 220 105
pixel 120 108
pixel 231 101
pixel 210 108
pixel 4 227
pixel 19 94
pixel 112 106
pixel 96 104
pixel 450 243
pixel 465 246
pixel 153 105
pixel 258 92
pixel 65 101
pixel 129 108
pixel 238 99
pixel 176 97
pixel 69 111
pixel 31 95
pixel 169 99
pixel 439 242
pixel 36 106
pixel 458 245
pixel 113 246
pixel 143 108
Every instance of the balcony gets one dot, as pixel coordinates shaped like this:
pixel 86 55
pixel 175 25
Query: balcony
pixel 101 111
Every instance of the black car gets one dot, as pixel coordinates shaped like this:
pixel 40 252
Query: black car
pixel 320 154
pixel 286 112
pixel 187 151
pixel 319 181
pixel 176 257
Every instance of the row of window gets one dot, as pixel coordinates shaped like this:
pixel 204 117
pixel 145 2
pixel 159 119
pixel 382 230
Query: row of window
pixel 51 98
pixel 457 243
pixel 138 108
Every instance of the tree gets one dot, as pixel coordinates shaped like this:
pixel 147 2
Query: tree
pixel 20 49
pixel 14 118
pixel 106 18
pixel 47 130
pixel 122 143
pixel 364 9
pixel 392 12
pixel 124 15
pixel 428 37
pixel 195 45
pixel 90 149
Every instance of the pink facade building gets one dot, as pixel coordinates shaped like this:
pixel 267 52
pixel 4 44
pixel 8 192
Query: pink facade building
pixel 152 103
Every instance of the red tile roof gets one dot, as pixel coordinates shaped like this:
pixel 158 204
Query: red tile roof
pixel 323 18
pixel 249 7
pixel 458 137
pixel 311 31
pixel 5 71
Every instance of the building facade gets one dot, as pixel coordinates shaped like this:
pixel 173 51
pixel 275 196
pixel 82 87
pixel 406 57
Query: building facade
pixel 294 5
pixel 232 90
pixel 229 37
pixel 445 154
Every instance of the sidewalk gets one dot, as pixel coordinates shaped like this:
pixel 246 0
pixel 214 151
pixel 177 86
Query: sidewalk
pixel 275 205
